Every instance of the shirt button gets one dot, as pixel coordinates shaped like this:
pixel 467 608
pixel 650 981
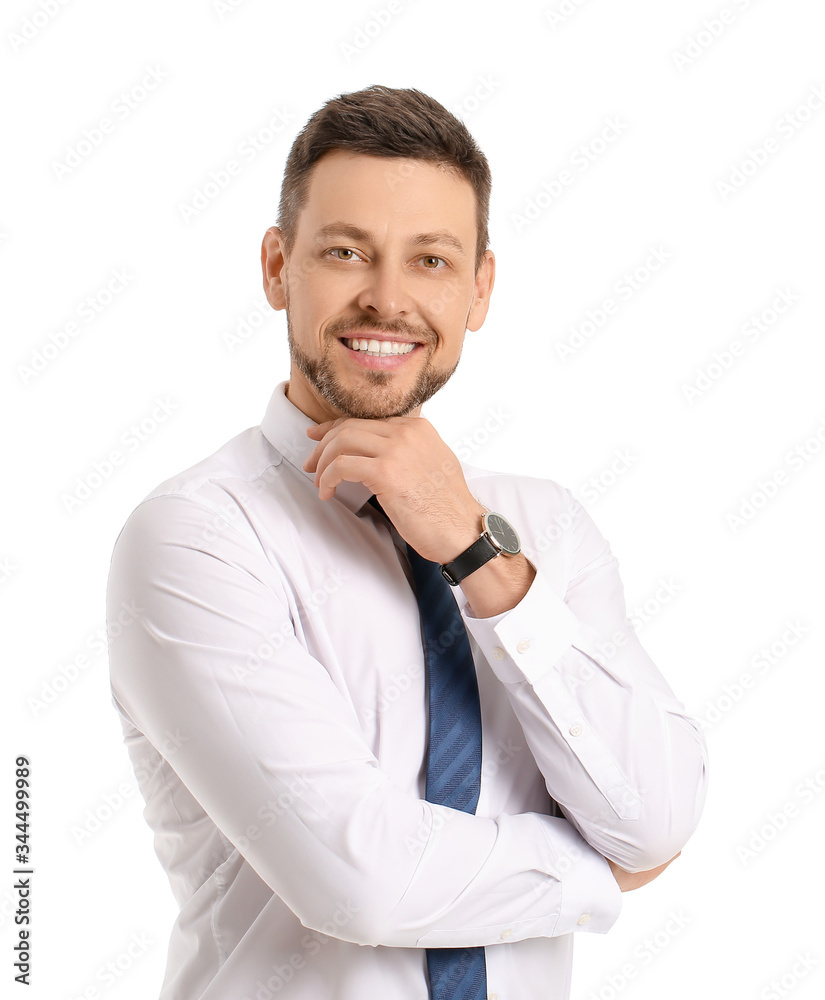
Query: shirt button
pixel 575 730
pixel 506 934
pixel 492 996
pixel 523 646
pixel 498 653
pixel 583 919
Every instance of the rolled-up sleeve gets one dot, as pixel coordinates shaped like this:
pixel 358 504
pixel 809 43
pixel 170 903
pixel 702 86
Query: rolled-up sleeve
pixel 253 733
pixel 618 752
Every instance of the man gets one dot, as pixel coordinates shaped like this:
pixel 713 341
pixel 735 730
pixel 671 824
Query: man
pixel 285 723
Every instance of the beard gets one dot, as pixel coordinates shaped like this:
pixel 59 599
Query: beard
pixel 379 399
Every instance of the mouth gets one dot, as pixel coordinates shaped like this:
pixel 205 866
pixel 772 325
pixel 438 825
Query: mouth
pixel 380 351
pixel 379 347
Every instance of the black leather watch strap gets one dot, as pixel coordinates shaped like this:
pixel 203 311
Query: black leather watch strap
pixel 481 551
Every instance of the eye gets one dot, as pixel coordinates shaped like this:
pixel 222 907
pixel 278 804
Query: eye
pixel 345 253
pixel 433 263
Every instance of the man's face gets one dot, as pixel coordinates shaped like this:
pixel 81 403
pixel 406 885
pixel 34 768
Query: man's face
pixel 383 259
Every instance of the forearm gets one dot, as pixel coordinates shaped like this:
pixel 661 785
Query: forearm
pixel 498 585
pixel 618 753
pixel 273 755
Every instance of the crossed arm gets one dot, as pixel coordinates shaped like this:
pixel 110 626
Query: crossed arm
pixel 249 735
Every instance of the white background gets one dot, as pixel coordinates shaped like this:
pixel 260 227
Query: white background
pixel 691 105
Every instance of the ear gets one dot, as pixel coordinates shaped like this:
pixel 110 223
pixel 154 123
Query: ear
pixel 484 281
pixel 273 259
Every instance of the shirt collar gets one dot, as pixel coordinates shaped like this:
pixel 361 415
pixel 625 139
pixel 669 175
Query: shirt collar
pixel 284 426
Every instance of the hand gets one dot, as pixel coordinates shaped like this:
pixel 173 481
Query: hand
pixel 416 477
pixel 635 880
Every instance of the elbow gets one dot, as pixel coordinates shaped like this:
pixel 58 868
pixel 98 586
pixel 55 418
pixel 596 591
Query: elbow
pixel 354 892
pixel 664 824
pixel 353 920
pixel 648 851
pixel 362 920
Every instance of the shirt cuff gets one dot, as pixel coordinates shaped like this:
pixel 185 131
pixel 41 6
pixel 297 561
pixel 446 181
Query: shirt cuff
pixel 591 899
pixel 522 644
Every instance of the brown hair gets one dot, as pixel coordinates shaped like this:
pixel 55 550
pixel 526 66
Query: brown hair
pixel 383 121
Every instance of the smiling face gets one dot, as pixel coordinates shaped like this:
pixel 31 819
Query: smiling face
pixel 380 284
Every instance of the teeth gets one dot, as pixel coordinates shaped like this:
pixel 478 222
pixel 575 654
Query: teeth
pixel 375 348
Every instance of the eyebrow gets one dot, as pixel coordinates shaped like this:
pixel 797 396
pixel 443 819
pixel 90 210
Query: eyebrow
pixel 442 237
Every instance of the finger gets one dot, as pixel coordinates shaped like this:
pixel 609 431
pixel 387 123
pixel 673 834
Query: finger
pixel 311 461
pixel 346 468
pixel 319 430
pixel 343 441
pixel 330 429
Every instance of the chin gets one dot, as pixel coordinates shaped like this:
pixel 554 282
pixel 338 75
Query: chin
pixel 373 406
pixel 376 396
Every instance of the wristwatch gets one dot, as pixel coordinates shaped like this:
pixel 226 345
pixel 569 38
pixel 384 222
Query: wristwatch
pixel 498 537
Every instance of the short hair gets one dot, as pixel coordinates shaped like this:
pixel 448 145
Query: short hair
pixel 385 121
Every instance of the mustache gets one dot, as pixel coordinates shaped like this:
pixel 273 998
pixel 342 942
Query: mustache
pixel 424 334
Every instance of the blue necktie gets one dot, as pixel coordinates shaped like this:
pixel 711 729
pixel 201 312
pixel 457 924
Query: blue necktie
pixel 454 748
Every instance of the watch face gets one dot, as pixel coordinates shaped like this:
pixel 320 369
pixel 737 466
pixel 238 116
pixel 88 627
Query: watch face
pixel 504 533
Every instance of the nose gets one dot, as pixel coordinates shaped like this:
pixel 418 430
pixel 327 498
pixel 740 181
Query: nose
pixel 386 292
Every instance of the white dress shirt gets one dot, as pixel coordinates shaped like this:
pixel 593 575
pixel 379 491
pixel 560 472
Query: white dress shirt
pixel 272 691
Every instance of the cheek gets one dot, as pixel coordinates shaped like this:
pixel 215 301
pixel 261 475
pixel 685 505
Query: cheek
pixel 449 307
pixel 450 326
pixel 321 300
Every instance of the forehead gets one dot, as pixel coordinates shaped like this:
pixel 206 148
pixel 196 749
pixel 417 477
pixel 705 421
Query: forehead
pixel 388 195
